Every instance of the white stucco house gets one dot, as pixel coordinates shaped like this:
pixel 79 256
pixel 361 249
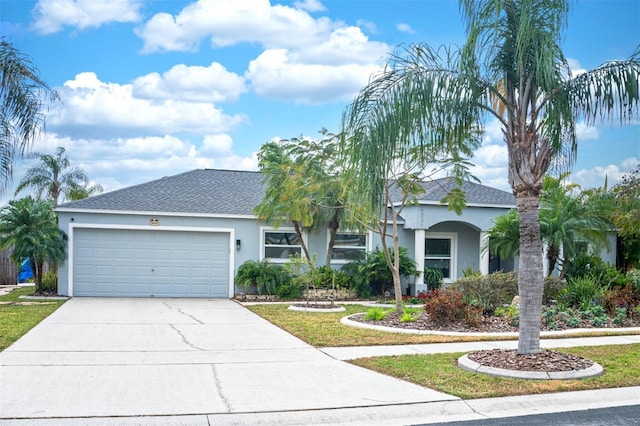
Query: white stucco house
pixel 186 235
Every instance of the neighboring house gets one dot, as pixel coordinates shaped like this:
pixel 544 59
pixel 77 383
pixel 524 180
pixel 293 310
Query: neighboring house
pixel 186 235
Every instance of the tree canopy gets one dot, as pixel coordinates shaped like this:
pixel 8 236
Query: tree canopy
pixel 22 95
pixel 511 69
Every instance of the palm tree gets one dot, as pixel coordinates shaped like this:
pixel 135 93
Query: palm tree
pixel 53 176
pixel 22 94
pixel 82 192
pixel 511 69
pixel 504 237
pixel 566 220
pixel 30 226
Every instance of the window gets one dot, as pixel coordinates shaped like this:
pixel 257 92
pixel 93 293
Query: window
pixel 438 254
pixel 348 247
pixel 279 245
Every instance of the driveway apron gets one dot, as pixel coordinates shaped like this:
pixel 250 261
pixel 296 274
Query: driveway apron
pixel 134 357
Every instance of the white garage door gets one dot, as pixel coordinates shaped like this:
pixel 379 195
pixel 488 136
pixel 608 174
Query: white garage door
pixel 140 263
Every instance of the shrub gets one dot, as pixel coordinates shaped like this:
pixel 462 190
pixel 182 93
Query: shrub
pixel 261 277
pixel 633 275
pixel 409 316
pixel 49 282
pixel 508 311
pixel 446 306
pixel 433 278
pixel 552 288
pixel 324 277
pixel 489 291
pixel 620 297
pixel 621 315
pixel 375 274
pixel 376 314
pixel 581 292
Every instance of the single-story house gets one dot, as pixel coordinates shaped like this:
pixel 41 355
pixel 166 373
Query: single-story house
pixel 186 235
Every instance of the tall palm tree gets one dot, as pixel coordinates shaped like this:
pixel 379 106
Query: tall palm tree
pixel 510 69
pixel 31 227
pixel 53 176
pixel 22 94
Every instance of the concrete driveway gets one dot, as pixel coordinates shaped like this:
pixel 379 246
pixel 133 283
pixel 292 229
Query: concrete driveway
pixel 154 357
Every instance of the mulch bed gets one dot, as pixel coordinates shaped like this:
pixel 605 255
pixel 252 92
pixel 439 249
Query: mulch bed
pixel 488 324
pixel 544 361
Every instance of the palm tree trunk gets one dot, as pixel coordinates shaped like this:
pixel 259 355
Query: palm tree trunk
pixel 530 274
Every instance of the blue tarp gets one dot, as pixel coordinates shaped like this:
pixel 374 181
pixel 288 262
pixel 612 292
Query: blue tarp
pixel 26 273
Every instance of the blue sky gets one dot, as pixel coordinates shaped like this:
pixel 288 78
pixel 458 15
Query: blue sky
pixel 155 88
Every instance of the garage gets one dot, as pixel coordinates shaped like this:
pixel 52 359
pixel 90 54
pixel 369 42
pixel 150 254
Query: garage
pixel 150 263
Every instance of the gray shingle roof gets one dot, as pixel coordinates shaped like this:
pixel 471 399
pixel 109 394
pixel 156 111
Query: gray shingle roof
pixel 435 190
pixel 198 191
pixel 232 192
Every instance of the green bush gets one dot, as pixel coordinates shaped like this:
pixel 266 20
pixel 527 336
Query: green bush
pixel 594 266
pixel 372 271
pixel 633 275
pixel 357 280
pixel 261 277
pixel 376 314
pixel 433 278
pixel 488 291
pixel 50 282
pixel 324 278
pixel 582 292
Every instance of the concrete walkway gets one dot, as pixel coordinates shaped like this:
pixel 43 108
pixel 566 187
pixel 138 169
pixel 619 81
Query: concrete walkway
pixel 199 362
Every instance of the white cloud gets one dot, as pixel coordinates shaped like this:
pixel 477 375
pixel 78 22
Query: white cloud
pixel 310 5
pixel 584 132
pixel 305 59
pixel 405 28
pixel 371 27
pixel 216 144
pixel 92 108
pixel 51 16
pixel 575 67
pixel 228 22
pixel 191 83
pixel 595 177
pixel 273 75
pixel 120 162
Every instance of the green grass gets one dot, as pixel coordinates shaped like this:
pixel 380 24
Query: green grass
pixel 16 320
pixel 440 372
pixel 324 329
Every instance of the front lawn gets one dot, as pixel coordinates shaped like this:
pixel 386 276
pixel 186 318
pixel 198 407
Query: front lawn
pixel 440 372
pixel 324 329
pixel 17 319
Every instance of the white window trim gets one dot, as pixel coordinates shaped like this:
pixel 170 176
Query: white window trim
pixel 264 229
pixel 367 248
pixel 453 236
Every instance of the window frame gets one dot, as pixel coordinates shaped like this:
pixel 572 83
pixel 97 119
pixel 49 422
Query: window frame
pixel 263 246
pixel 453 252
pixel 366 247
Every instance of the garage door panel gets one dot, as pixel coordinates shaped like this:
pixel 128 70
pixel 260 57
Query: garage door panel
pixel 140 263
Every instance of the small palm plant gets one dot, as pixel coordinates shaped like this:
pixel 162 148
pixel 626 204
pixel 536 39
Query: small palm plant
pixel 30 226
